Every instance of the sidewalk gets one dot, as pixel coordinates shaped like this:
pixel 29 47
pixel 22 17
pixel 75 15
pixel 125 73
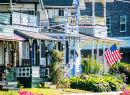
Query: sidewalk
pixel 98 93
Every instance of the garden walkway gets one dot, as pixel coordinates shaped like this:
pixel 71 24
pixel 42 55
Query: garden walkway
pixel 98 93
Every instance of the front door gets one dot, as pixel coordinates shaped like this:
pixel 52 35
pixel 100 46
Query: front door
pixel 43 55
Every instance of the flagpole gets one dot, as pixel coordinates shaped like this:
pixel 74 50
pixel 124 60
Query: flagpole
pixel 117 44
pixel 103 44
pixel 108 46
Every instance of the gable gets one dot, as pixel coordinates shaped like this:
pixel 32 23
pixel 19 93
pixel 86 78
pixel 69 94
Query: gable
pixel 58 2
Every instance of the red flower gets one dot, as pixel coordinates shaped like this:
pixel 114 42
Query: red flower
pixel 64 87
pixel 57 57
pixel 56 78
pixel 64 71
pixel 60 58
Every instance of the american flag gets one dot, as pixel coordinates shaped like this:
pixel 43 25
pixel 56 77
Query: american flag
pixel 112 55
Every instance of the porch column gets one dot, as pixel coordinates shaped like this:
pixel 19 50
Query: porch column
pixel 103 45
pixel 14 59
pixel 69 57
pixel 74 61
pixel 54 44
pixel 97 44
pixel 38 51
pixel 93 12
pixel 92 48
pixel 77 17
pixel 63 46
pixel 108 46
pixel 5 55
pixel 35 9
pixel 47 69
pixel 66 20
pixel 10 5
pixel 31 41
pixel 80 55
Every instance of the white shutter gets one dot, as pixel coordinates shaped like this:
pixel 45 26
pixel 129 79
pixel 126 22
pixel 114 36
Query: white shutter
pixel 1 52
pixel 27 50
pixel 24 47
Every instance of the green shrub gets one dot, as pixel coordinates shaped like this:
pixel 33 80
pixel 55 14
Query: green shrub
pixel 123 69
pixel 97 83
pixel 90 66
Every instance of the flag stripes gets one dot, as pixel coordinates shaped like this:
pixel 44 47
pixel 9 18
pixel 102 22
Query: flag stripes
pixel 112 55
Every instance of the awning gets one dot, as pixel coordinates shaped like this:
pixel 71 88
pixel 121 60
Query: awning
pixel 13 37
pixel 34 35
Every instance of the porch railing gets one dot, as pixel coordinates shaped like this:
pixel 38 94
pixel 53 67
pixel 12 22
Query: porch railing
pixel 23 72
pixel 44 72
pixel 25 62
pixel 83 20
pixel 18 19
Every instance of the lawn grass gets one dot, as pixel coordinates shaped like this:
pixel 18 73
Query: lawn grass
pixel 45 91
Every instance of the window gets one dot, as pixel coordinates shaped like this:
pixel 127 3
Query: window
pixel 61 12
pixel 108 24
pixel 123 23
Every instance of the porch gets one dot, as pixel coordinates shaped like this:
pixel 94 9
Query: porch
pixel 32 67
pixel 8 56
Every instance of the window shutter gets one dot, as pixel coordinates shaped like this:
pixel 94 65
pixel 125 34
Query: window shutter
pixel 24 50
pixel 1 52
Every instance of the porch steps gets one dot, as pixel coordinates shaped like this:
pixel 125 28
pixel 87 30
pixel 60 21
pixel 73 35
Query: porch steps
pixel 48 84
pixel 4 86
pixel 3 83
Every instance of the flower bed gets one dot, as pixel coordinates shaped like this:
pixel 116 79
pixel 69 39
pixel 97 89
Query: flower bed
pixel 97 83
pixel 123 69
pixel 28 93
pixel 125 92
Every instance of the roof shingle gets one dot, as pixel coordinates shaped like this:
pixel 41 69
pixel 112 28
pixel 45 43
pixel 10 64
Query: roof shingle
pixel 34 35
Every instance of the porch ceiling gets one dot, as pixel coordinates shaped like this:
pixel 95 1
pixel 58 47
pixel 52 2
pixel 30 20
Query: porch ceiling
pixel 86 38
pixel 12 37
pixel 34 35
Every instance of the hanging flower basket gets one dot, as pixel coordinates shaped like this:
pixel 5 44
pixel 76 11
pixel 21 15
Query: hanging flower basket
pixel 11 69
